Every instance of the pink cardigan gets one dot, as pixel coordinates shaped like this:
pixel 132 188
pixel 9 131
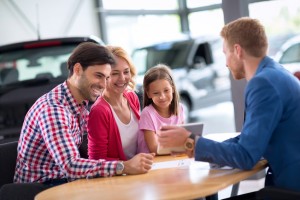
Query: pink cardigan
pixel 104 140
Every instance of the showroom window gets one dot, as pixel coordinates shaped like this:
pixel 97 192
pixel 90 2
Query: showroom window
pixel 281 24
pixel 136 23
pixel 135 31
pixel 160 21
pixel 206 22
pixel 140 4
pixel 197 3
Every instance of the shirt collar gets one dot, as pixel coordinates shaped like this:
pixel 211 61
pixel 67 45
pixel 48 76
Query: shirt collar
pixel 75 107
pixel 263 64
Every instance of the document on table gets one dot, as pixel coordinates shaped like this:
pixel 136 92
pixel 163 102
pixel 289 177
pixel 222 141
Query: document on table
pixel 188 162
pixel 172 164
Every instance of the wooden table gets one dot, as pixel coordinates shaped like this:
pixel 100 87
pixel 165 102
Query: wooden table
pixel 184 182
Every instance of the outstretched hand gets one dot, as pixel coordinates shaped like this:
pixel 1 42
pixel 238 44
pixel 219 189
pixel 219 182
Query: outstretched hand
pixel 172 136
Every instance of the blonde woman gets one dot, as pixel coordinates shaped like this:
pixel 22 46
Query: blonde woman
pixel 113 120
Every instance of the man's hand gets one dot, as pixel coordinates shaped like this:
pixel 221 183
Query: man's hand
pixel 172 136
pixel 139 164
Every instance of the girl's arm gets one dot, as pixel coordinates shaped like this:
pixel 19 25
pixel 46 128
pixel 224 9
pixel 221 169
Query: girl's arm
pixel 150 139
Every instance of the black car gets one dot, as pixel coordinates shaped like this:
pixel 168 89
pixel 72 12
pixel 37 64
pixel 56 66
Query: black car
pixel 27 71
pixel 198 66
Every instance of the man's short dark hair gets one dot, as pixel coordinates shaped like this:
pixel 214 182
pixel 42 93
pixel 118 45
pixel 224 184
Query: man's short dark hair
pixel 89 54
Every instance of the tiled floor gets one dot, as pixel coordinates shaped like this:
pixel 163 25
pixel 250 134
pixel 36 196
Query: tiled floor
pixel 220 119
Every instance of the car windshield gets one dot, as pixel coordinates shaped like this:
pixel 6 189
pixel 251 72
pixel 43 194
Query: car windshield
pixel 171 54
pixel 291 55
pixel 25 64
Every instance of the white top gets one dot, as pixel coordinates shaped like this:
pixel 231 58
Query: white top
pixel 128 133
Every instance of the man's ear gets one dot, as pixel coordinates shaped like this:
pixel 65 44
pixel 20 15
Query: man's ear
pixel 238 50
pixel 77 69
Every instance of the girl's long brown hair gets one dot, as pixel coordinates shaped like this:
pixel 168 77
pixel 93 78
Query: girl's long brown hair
pixel 159 72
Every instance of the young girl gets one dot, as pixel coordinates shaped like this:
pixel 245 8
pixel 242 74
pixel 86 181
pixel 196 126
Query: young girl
pixel 161 104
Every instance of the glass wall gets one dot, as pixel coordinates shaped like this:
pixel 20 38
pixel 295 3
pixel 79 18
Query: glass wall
pixel 140 4
pixel 202 3
pixel 136 23
pixel 207 22
pixel 140 23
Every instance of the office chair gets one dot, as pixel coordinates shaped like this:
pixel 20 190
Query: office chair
pixel 276 193
pixel 83 149
pixel 8 156
pixel 18 191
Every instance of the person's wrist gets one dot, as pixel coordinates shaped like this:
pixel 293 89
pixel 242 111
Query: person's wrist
pixel 189 146
pixel 192 138
pixel 190 142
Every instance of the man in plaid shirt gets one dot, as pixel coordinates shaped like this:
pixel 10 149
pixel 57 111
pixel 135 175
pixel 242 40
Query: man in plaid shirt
pixel 53 128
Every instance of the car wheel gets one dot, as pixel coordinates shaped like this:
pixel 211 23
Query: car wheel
pixel 186 109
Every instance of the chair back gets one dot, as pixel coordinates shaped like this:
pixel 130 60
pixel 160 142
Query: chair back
pixel 277 193
pixel 83 149
pixel 8 157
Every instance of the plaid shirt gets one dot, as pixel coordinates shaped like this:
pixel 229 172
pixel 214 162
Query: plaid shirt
pixel 51 134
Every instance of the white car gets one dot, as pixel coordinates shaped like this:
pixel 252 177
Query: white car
pixel 198 68
pixel 289 55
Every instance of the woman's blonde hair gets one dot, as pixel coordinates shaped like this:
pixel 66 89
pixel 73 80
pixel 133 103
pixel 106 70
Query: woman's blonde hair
pixel 119 52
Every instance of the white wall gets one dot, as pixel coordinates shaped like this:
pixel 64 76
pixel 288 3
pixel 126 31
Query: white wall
pixel 57 18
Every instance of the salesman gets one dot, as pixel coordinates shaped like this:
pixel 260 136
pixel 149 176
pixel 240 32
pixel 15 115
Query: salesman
pixel 272 105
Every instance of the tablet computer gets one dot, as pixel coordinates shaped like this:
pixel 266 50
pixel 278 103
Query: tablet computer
pixel 196 128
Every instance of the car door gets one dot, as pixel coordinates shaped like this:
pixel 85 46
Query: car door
pixel 200 74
